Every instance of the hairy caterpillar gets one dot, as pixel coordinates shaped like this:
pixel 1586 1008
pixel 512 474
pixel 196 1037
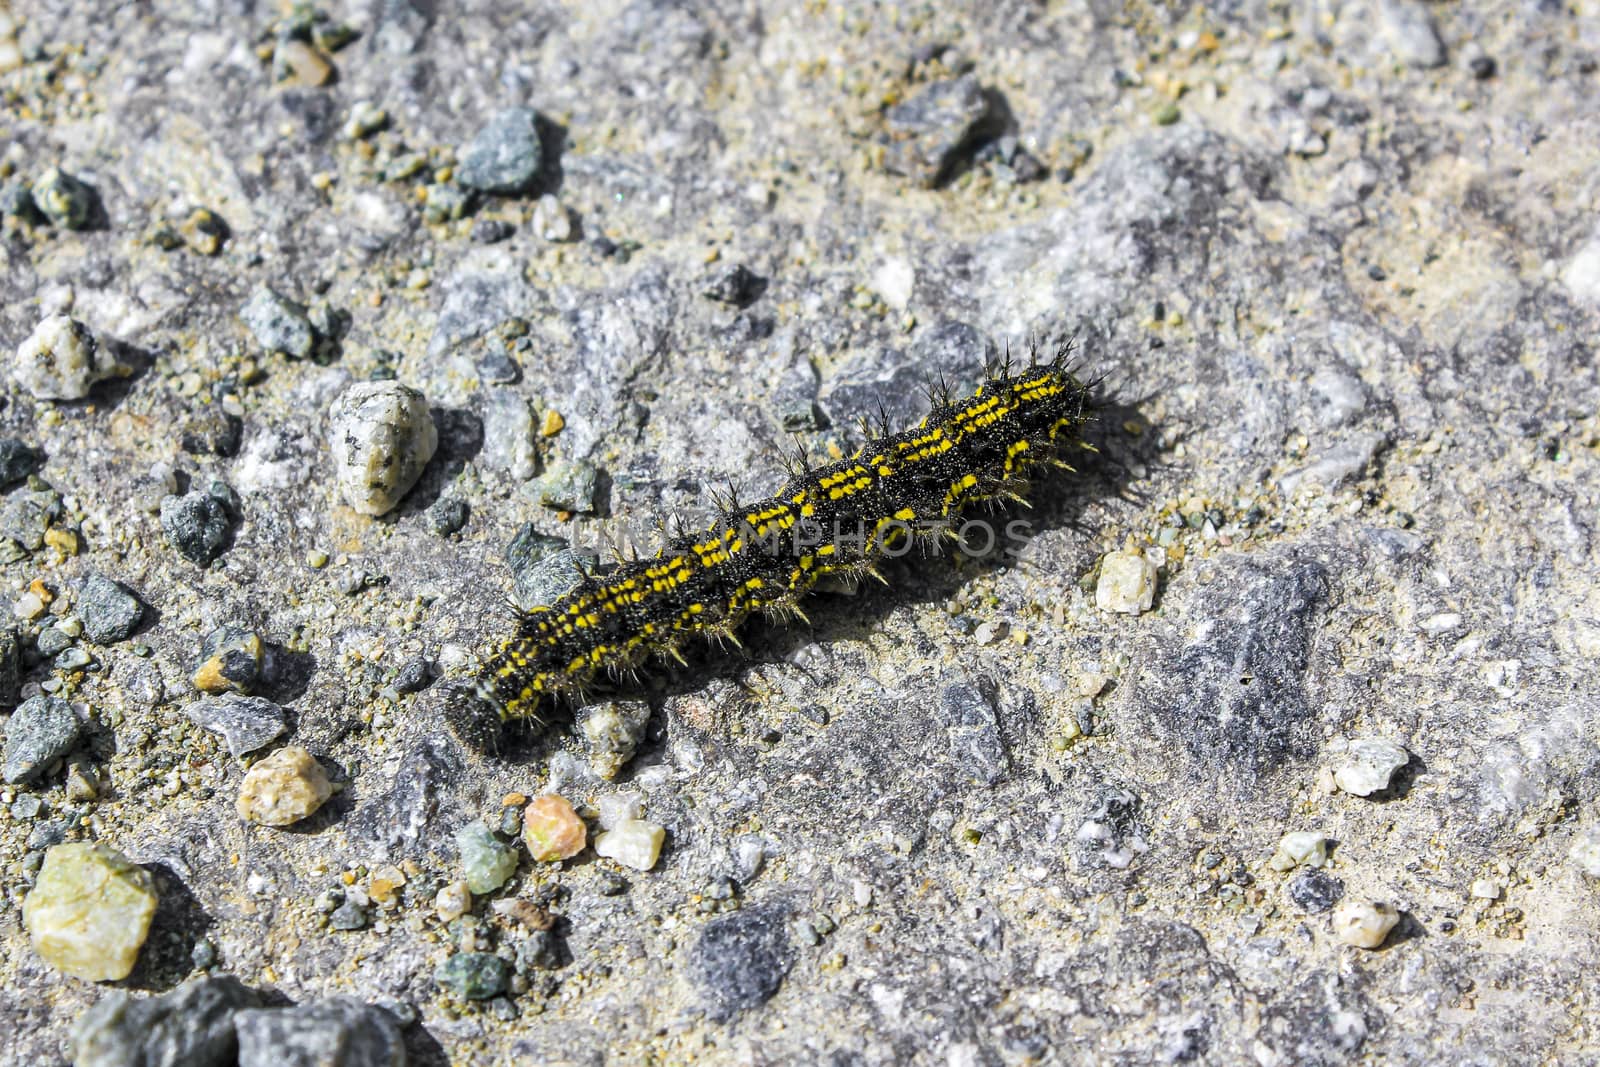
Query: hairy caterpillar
pixel 764 557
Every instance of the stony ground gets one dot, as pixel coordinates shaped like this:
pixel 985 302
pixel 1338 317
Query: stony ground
pixel 1339 266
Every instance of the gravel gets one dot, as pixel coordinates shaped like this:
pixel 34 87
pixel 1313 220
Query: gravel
pixel 39 732
pixel 381 437
pixel 110 612
pixel 740 961
pixel 198 524
pixel 504 156
pixel 245 723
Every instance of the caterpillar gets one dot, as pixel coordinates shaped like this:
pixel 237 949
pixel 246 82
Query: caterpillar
pixel 839 520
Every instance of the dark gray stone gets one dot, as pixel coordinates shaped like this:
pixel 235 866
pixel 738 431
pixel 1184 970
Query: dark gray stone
pixel 447 515
pixel 110 612
pixel 740 960
pixel 245 723
pixel 348 916
pixel 505 155
pixel 968 711
pixel 474 975
pixel 549 579
pixel 338 1032
pixel 17 460
pixel 27 514
pixel 737 285
pixel 414 676
pixel 211 433
pixel 407 818
pixel 278 323
pixel 198 524
pixel 10 668
pixel 40 731
pixel 1233 694
pixel 191 1026
pixel 1314 892
pixel 935 131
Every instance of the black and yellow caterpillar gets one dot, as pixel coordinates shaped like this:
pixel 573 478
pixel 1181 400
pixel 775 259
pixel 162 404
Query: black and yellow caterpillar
pixel 840 519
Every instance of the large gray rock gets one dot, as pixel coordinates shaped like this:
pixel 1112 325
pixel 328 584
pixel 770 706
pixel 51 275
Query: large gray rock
pixel 192 1026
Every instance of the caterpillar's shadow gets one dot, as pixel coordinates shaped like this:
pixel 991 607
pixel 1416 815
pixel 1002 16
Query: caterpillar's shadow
pixel 1105 480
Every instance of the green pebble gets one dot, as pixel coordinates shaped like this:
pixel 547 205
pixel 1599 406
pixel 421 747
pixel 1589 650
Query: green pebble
pixel 474 975
pixel 486 862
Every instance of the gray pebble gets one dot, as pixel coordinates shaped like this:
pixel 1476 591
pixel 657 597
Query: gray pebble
pixel 508 435
pixel 10 669
pixel 935 130
pixel 974 731
pixel 737 285
pixel 348 916
pixel 491 231
pixel 41 731
pixel 17 460
pixel 245 723
pixel 1314 891
pixel 27 514
pixel 278 323
pixel 381 437
pixel 52 642
pixel 569 485
pixel 447 515
pixel 541 583
pixel 505 155
pixel 65 200
pixel 191 1026
pixel 338 1032
pixel 198 524
pixel 414 676
pixel 1411 33
pixel 109 611
pixel 474 975
pixel 740 961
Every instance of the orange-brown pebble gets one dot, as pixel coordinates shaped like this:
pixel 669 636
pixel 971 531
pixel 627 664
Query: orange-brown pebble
pixel 513 800
pixel 552 830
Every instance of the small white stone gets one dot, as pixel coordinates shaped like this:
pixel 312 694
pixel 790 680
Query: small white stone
pixel 1582 273
pixel 381 437
pixel 61 360
pixel 895 281
pixel 453 901
pixel 618 808
pixel 551 219
pixel 1300 848
pixel 1127 583
pixel 1585 854
pixel 632 843
pixel 284 788
pixel 1486 889
pixel 1369 765
pixel 1364 923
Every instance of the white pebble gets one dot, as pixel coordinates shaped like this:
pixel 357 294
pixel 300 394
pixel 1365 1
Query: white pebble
pixel 1585 854
pixel 618 808
pixel 1364 923
pixel 283 788
pixel 1486 889
pixel 381 437
pixel 1300 848
pixel 1127 583
pixel 551 220
pixel 61 360
pixel 1369 765
pixel 632 843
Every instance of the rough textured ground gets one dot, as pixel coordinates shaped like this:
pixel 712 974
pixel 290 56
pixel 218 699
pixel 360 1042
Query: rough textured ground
pixel 1344 302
